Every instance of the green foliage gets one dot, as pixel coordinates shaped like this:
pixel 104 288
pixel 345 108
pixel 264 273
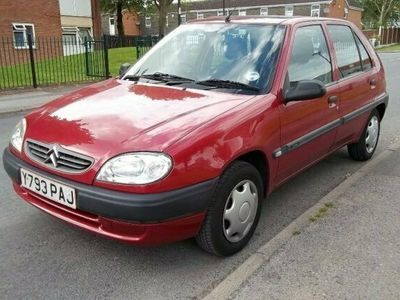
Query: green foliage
pixel 380 12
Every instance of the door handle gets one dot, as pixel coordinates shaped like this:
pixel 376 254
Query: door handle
pixel 332 101
pixel 372 83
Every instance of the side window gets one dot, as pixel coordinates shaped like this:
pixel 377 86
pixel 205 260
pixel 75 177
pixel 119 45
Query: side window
pixel 347 55
pixel 365 59
pixel 310 56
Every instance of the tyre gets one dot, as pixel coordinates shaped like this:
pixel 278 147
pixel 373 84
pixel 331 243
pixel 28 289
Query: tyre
pixel 234 210
pixel 366 145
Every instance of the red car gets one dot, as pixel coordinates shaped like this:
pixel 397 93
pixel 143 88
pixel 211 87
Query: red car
pixel 191 139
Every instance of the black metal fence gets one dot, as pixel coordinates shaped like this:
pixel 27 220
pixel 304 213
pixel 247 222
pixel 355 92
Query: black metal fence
pixel 141 43
pixel 55 61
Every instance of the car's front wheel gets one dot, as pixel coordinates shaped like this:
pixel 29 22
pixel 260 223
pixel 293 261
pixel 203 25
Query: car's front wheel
pixel 366 145
pixel 234 210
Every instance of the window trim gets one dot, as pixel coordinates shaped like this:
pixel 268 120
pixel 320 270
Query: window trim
pixel 24 31
pixel 241 11
pixel 265 9
pixel 183 18
pixel 200 16
pixel 147 21
pixel 287 7
pixel 315 9
pixel 74 30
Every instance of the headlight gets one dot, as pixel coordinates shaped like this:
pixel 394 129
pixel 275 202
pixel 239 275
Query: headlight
pixel 136 168
pixel 18 134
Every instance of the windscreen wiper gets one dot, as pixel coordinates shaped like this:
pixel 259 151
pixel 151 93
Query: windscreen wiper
pixel 165 77
pixel 158 76
pixel 228 84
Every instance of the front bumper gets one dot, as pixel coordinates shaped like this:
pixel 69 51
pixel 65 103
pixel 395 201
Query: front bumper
pixel 147 219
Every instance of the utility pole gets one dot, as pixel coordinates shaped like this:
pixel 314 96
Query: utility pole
pixel 223 7
pixel 179 12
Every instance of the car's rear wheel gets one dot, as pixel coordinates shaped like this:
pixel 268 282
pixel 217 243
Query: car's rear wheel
pixel 234 210
pixel 366 145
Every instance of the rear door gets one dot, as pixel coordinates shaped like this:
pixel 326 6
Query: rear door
pixel 308 128
pixel 357 80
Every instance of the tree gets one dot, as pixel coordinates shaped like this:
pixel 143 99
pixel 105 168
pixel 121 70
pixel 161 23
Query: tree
pixel 380 12
pixel 162 7
pixel 117 7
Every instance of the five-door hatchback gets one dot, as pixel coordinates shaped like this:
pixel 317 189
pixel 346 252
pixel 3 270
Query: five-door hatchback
pixel 191 139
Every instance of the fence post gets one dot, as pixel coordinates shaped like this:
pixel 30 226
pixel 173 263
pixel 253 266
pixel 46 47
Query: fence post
pixel 137 50
pixel 32 60
pixel 106 62
pixel 85 41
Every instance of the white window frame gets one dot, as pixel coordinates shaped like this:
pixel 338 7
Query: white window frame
pixel 289 9
pixel 147 22
pixel 242 12
pixel 74 30
pixel 200 16
pixel 21 27
pixel 315 10
pixel 109 24
pixel 183 18
pixel 264 11
pixel 220 13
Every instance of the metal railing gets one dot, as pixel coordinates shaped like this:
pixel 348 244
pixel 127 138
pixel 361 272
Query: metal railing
pixel 47 61
pixel 59 61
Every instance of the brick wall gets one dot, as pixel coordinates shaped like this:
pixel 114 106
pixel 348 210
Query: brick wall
pixel 43 14
pixel 334 10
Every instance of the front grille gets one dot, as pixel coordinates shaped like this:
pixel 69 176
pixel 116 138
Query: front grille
pixel 56 157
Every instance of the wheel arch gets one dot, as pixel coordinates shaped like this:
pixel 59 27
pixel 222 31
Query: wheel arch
pixel 381 108
pixel 259 160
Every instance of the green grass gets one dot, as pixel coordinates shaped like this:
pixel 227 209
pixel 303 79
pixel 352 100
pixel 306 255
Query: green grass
pixel 119 56
pixel 65 69
pixel 322 212
pixel 390 48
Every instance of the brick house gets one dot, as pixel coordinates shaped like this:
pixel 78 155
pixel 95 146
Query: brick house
pixel 130 19
pixel 344 9
pixel 43 20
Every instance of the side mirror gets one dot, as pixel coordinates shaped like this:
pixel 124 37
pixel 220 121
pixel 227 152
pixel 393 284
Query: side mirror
pixel 305 90
pixel 123 69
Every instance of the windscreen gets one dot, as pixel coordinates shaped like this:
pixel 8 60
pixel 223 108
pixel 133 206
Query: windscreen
pixel 234 52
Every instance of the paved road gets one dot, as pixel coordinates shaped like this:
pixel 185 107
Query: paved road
pixel 42 257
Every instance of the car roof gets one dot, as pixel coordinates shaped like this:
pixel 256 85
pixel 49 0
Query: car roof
pixel 284 20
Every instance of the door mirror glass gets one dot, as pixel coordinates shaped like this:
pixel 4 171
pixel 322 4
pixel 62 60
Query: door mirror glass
pixel 305 90
pixel 123 69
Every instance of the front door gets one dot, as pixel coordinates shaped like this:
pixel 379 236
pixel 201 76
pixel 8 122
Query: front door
pixel 308 128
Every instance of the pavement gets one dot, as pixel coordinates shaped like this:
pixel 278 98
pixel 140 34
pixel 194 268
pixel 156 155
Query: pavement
pixel 347 246
pixel 17 101
pixel 42 257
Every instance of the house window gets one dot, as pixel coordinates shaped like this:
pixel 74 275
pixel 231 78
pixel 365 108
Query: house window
pixel 147 22
pixel 183 18
pixel 289 11
pixel 220 13
pixel 76 35
pixel 200 16
pixel 264 11
pixel 315 10
pixel 21 31
pixel 242 12
pixel 111 21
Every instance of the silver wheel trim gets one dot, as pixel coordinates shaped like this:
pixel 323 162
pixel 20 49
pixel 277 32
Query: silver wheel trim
pixel 240 211
pixel 372 133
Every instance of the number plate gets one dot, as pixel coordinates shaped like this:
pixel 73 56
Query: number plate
pixel 49 189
